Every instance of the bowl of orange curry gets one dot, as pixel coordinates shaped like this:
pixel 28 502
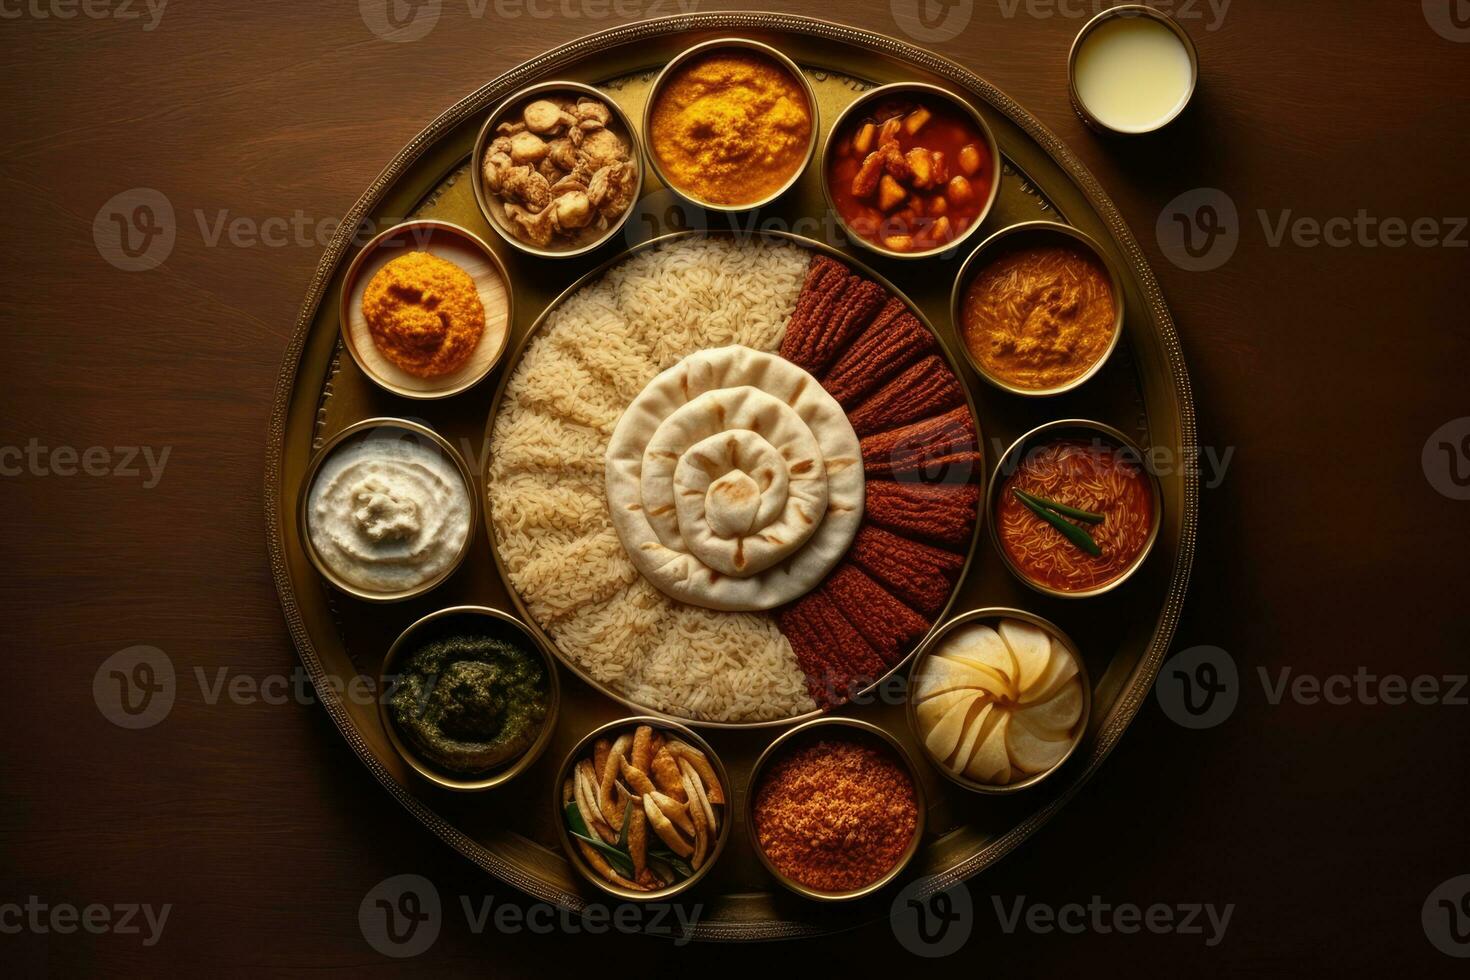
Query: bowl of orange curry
pixel 730 124
pixel 1038 308
pixel 910 170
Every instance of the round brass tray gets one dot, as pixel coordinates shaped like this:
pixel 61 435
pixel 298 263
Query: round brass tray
pixel 1143 391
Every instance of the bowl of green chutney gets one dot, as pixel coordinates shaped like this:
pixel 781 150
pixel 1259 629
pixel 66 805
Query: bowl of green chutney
pixel 468 697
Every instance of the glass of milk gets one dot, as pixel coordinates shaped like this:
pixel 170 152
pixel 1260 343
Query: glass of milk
pixel 1132 69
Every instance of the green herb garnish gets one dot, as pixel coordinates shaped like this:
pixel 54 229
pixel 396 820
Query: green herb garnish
pixel 679 866
pixel 674 868
pixel 617 857
pixel 1086 516
pixel 1070 531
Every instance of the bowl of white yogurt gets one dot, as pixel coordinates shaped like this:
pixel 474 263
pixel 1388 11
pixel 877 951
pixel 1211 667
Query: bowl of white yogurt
pixel 387 510
pixel 1132 69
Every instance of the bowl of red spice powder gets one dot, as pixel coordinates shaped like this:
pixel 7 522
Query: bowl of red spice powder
pixel 835 809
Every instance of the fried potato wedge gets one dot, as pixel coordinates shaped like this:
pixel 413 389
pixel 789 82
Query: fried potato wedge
pixel 600 751
pixel 638 780
pixel 666 830
pixel 638 840
pixel 701 764
pixel 642 753
pixel 600 865
pixel 611 769
pixel 666 774
pixel 697 818
pixel 675 811
pixel 586 798
pixel 700 800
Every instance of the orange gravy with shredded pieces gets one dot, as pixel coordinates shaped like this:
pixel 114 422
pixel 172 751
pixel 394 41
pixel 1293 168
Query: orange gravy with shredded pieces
pixel 1039 317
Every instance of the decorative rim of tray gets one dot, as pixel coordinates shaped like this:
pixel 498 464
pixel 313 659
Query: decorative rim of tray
pixel 1137 684
pixel 513 358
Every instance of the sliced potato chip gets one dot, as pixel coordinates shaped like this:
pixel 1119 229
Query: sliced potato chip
pixel 1031 752
pixel 979 644
pixel 927 713
pixel 939 675
pixel 1059 714
pixel 1061 668
pixel 990 763
pixel 1031 646
pixel 944 738
pixel 974 728
pixel 989 681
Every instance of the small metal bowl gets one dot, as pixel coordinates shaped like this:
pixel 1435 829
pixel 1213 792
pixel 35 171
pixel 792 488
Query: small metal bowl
pixel 933 643
pixel 1116 13
pixel 363 430
pixel 584 748
pixel 917 89
pixel 466 250
pixel 467 619
pixel 1056 430
pixel 703 49
pixel 851 729
pixel 1020 235
pixel 491 206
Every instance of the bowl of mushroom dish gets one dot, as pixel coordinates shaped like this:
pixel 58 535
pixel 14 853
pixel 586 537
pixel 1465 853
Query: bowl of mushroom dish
pixel 556 169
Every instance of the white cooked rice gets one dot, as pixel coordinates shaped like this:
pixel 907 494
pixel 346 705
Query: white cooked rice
pixel 548 501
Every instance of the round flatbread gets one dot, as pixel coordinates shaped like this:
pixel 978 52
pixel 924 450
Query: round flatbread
pixel 734 480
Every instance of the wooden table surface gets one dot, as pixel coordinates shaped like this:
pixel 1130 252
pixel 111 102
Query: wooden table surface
pixel 1326 550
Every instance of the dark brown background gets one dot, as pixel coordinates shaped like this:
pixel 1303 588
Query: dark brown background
pixel 1326 548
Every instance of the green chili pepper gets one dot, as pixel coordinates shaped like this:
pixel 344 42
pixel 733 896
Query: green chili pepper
pixel 1071 531
pixel 1087 516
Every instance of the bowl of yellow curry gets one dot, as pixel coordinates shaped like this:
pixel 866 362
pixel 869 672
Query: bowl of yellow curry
pixel 730 124
pixel 426 309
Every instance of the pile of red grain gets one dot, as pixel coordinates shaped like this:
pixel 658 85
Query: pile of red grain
pixel 835 815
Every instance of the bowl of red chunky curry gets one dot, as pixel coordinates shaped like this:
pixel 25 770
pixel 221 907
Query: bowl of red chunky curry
pixel 910 170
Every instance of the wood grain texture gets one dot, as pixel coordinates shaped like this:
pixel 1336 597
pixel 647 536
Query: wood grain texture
pixel 1323 369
